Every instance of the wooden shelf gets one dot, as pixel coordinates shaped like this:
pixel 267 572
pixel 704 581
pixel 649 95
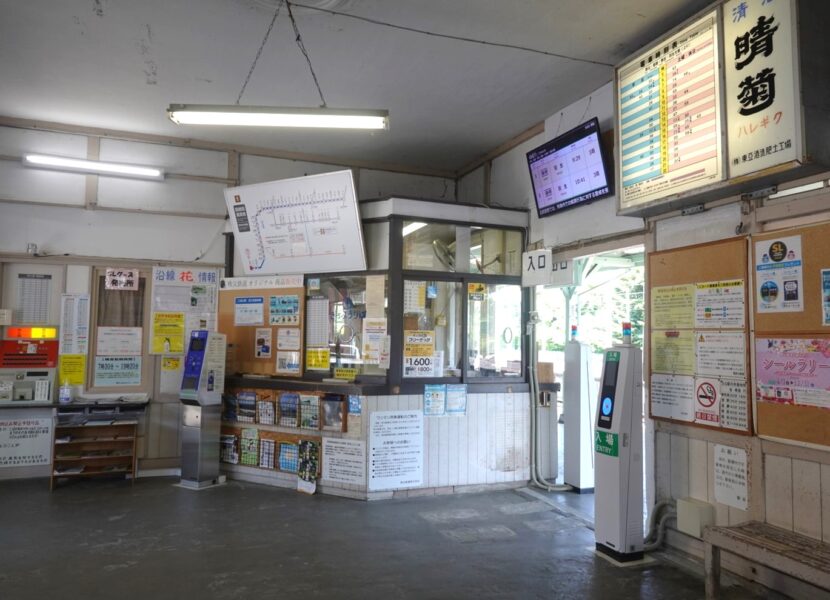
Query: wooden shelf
pixel 115 440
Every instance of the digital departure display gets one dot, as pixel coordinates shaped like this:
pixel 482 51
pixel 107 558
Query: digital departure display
pixel 569 170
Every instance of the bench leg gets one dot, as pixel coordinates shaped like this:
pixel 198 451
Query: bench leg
pixel 711 565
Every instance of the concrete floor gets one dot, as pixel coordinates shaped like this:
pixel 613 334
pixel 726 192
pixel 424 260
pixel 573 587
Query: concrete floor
pixel 107 539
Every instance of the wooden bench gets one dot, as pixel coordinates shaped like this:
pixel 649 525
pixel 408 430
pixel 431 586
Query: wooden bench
pixel 790 553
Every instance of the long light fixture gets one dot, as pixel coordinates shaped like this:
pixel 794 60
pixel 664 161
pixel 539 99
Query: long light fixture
pixel 78 165
pixel 265 116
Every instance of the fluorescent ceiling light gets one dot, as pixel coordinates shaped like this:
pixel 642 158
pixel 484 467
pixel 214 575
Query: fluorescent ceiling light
pixel 265 116
pixel 412 228
pixel 809 187
pixel 78 165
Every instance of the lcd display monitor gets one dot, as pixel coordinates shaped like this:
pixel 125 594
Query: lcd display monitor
pixel 570 170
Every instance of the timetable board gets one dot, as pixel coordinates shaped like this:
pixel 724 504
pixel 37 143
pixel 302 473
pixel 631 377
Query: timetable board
pixel 669 117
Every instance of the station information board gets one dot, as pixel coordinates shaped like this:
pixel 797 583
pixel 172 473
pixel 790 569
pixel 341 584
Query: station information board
pixel 669 117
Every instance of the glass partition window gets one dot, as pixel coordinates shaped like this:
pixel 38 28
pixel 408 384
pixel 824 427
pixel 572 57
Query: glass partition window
pixel 432 328
pixel 461 249
pixel 356 321
pixel 494 330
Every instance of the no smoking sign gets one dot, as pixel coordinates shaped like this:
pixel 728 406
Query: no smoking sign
pixel 707 401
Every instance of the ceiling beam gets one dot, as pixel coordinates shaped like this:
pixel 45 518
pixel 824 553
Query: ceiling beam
pixel 527 134
pixel 150 138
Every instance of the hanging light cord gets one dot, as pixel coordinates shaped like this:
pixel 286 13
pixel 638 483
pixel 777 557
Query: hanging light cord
pixel 301 46
pixel 261 46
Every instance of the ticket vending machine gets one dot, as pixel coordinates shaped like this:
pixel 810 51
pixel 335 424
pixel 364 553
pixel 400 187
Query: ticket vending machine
pixel 203 382
pixel 618 453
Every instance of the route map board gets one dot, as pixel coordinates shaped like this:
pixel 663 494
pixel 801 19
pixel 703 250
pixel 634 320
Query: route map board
pixel 301 225
pixel 669 117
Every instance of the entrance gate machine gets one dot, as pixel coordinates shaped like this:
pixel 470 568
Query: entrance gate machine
pixel 203 382
pixel 618 449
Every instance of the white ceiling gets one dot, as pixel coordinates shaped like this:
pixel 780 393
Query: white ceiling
pixel 119 63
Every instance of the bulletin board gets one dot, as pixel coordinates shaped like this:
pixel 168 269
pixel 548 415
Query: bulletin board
pixel 698 371
pixel 791 285
pixel 264 326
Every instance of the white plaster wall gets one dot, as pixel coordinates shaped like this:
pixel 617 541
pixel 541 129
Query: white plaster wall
pixel 471 187
pixel 73 231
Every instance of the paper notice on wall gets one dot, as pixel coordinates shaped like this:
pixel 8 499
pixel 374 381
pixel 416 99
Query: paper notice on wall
pixel 672 396
pixel 385 353
pixel 374 334
pixel 34 292
pixel 673 352
pixel 734 405
pixel 317 322
pixel 168 333
pixel 171 363
pixel 375 296
pixel 72 369
pixel 344 461
pixel 435 400
pixel 117 371
pixel 74 332
pixel 121 279
pixel 673 307
pixel 189 291
pixel 720 304
pixel 779 281
pixel 288 338
pixel 25 442
pixel 288 363
pixel 793 371
pixel 262 342
pixel 707 401
pixel 720 354
pixel 457 399
pixel 249 310
pixel 118 341
pixel 396 450
pixel 414 297
pixel 731 480
pixel 317 359
pixel 284 310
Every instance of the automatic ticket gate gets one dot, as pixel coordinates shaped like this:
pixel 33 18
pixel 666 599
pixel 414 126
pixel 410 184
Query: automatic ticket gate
pixel 618 452
pixel 203 382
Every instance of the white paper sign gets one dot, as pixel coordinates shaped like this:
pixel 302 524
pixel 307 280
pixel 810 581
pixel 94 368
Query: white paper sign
pixel 249 310
pixel 25 442
pixel 672 396
pixel 731 487
pixel 761 88
pixel 536 267
pixel 733 404
pixel 118 341
pixel 288 338
pixel 779 282
pixel 720 304
pixel 344 461
pixel 456 398
pixel 117 370
pixel 720 354
pixel 121 279
pixel 74 333
pixel 374 334
pixel 396 450
pixel 288 363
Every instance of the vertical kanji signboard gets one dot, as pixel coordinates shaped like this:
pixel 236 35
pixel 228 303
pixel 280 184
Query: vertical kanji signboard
pixel 760 65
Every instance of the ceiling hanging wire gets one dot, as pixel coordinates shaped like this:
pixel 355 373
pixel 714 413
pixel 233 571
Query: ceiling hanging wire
pixel 261 46
pixel 299 39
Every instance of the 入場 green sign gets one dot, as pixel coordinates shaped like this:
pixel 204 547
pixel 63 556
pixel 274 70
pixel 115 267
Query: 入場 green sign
pixel 606 443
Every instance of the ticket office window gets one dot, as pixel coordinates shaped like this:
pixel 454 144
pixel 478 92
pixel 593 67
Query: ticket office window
pixel 118 360
pixel 432 328
pixel 494 330
pixel 357 328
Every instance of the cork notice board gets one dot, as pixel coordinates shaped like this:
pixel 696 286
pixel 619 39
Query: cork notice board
pixel 698 369
pixel 792 333
pixel 264 329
